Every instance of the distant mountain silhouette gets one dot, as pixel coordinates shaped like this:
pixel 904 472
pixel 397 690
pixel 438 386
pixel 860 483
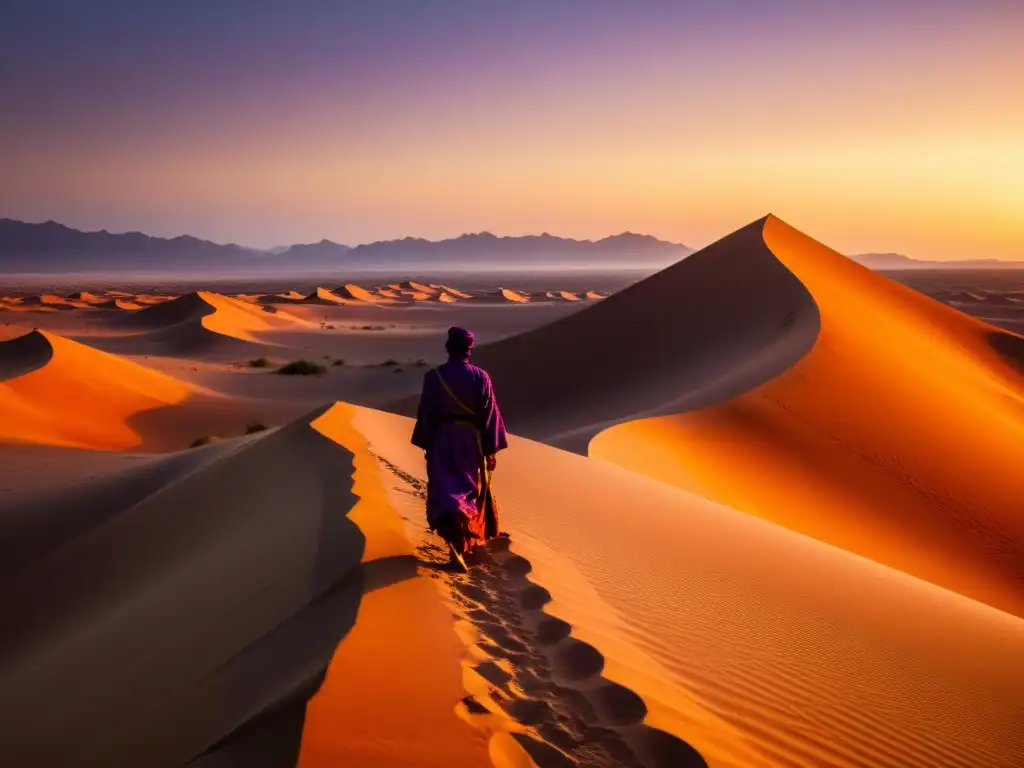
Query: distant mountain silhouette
pixel 485 249
pixel 883 261
pixel 52 248
pixel 325 251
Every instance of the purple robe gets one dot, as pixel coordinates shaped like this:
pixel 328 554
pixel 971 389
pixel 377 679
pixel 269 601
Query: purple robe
pixel 457 440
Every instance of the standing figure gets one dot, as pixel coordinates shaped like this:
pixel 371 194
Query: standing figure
pixel 460 428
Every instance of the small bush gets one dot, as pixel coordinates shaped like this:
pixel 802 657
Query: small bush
pixel 204 440
pixel 302 368
pixel 397 370
pixel 253 427
pixel 420 363
pixel 338 362
pixel 270 308
pixel 389 363
pixel 259 362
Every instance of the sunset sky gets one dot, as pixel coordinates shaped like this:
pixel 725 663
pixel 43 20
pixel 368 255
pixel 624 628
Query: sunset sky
pixel 893 126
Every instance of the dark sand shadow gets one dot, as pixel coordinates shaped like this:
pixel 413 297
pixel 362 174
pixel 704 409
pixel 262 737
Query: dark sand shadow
pixel 193 613
pixel 272 739
pixel 1011 347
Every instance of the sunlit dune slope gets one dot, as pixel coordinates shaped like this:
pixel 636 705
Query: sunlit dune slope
pixel 59 392
pixel 323 296
pixel 194 603
pixel 191 319
pixel 900 435
pixel 85 296
pixel 756 645
pixel 354 293
pixel 452 291
pixel 515 296
pixel 705 329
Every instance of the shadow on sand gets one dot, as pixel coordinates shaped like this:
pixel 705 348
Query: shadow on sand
pixel 185 610
pixel 1010 346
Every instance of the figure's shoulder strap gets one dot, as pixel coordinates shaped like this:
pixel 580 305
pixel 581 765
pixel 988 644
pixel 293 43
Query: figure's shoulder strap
pixel 452 395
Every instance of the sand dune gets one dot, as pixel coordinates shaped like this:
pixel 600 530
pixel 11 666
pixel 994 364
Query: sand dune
pixel 124 304
pixel 897 436
pixel 58 392
pixel 198 320
pixel 195 617
pixel 355 293
pixel 86 296
pixel 691 335
pixel 451 291
pixel 563 295
pixel 323 296
pixel 516 296
pixel 755 645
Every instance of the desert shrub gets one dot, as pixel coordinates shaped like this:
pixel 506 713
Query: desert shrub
pixel 302 368
pixel 253 427
pixel 270 308
pixel 338 362
pixel 259 362
pixel 389 363
pixel 204 440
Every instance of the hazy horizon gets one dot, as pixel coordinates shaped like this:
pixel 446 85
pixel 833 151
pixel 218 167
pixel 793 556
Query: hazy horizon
pixel 879 127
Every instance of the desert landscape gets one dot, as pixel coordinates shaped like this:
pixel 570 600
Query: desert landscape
pixel 511 384
pixel 763 507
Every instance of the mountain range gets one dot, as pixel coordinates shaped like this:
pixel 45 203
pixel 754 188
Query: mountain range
pixel 50 247
pixel 54 248
pixel 890 261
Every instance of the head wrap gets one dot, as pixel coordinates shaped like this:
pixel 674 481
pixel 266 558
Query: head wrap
pixel 460 341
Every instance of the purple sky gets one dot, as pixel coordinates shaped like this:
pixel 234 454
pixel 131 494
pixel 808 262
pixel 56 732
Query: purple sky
pixel 875 125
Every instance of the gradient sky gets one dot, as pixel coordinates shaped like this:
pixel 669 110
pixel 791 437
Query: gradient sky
pixel 872 126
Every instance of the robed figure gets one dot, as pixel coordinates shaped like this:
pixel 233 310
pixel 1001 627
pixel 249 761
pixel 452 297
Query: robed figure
pixel 460 428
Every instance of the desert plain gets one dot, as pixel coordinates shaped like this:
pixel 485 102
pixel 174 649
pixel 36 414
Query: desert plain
pixel 765 507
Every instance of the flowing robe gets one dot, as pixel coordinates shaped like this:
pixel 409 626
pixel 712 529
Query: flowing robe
pixel 458 429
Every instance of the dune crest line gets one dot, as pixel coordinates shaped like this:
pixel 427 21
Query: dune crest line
pixel 897 436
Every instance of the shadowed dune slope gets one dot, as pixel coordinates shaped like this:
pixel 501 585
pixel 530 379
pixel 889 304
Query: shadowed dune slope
pixel 199 321
pixel 899 436
pixel 181 629
pixel 756 645
pixel 705 329
pixel 214 312
pixel 355 293
pixel 57 391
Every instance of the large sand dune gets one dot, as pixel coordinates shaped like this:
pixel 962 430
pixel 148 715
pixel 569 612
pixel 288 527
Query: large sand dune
pixel 754 644
pixel 899 435
pixel 57 391
pixel 712 326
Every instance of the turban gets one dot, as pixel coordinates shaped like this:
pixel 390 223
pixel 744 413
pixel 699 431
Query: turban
pixel 460 341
